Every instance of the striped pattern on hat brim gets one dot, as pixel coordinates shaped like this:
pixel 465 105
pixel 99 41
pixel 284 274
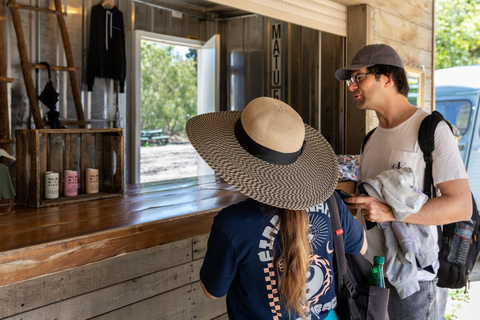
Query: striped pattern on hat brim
pixel 307 182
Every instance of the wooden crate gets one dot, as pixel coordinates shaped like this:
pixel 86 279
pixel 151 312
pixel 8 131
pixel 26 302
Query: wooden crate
pixel 42 150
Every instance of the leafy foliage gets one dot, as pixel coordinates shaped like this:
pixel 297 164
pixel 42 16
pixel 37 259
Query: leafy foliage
pixel 457 299
pixel 457 33
pixel 168 88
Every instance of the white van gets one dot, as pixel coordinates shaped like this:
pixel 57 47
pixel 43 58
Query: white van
pixel 457 92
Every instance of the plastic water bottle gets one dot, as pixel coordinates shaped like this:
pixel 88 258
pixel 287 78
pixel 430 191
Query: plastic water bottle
pixel 376 276
pixel 460 244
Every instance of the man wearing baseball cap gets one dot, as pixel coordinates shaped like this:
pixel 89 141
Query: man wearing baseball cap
pixel 378 82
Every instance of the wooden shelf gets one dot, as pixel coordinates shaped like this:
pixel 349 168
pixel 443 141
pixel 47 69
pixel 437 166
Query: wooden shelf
pixel 42 150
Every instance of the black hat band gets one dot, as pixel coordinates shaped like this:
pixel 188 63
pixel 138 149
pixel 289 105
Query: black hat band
pixel 261 152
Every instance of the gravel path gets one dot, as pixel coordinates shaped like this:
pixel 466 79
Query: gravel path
pixel 168 162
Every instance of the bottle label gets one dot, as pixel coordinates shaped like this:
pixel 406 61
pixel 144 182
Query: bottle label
pixel 51 185
pixel 71 184
pixel 460 244
pixel 464 231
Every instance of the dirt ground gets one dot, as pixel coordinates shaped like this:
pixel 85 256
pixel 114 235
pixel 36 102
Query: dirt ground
pixel 171 161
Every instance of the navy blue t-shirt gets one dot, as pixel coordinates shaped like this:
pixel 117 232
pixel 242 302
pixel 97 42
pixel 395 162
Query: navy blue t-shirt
pixel 238 260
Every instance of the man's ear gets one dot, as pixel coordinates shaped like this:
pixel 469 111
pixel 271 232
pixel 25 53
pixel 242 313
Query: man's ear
pixel 388 81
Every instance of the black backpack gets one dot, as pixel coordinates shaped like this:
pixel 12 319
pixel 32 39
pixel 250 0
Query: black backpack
pixel 356 299
pixel 451 274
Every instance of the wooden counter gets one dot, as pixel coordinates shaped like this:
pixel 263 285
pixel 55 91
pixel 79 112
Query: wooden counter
pixel 55 261
pixel 151 214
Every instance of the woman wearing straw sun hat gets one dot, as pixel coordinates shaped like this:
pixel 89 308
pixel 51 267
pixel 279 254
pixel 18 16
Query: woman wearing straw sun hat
pixel 272 254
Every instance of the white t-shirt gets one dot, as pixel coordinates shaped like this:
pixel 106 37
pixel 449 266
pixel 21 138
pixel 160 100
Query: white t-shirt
pixel 398 147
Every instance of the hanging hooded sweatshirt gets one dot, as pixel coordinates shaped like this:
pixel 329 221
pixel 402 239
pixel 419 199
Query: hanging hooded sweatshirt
pixel 106 54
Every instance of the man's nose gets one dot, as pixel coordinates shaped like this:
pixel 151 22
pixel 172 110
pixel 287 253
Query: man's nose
pixel 352 86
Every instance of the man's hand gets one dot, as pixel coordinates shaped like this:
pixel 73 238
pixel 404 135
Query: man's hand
pixel 372 209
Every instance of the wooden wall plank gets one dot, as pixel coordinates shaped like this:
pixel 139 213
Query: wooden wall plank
pixel 27 295
pixel 71 151
pixel 332 112
pixel 393 27
pixel 173 305
pixel 200 246
pixel 411 10
pixel 55 157
pixel 410 54
pixel 122 294
pixel 204 308
pixel 87 155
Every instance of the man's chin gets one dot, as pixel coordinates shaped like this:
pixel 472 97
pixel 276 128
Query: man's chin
pixel 360 105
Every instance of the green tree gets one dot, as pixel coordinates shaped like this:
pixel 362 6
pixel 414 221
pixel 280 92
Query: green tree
pixel 168 88
pixel 457 33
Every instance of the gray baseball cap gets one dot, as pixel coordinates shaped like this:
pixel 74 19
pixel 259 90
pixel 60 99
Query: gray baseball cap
pixel 368 56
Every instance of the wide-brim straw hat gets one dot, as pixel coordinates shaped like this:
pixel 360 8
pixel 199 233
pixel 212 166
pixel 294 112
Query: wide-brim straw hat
pixel 299 169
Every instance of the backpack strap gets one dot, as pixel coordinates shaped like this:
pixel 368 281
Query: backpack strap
pixel 365 139
pixel 339 248
pixel 426 140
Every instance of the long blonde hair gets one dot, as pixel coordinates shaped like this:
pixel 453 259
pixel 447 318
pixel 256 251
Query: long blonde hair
pixel 294 260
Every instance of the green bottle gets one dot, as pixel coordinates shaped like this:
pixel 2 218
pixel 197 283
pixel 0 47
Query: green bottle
pixel 376 276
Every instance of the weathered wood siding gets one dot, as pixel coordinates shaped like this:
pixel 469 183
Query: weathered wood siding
pixel 161 282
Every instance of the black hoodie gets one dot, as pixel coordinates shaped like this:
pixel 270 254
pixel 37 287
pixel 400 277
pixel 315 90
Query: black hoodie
pixel 106 55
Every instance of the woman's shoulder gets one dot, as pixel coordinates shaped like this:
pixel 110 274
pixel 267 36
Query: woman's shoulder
pixel 245 209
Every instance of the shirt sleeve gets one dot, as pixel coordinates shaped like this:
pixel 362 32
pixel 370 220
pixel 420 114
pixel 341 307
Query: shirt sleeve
pixel 447 162
pixel 220 263
pixel 353 235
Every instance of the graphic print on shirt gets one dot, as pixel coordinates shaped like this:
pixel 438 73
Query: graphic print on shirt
pixel 320 273
pixel 398 165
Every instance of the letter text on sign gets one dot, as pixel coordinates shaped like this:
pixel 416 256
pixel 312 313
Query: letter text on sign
pixel 276 55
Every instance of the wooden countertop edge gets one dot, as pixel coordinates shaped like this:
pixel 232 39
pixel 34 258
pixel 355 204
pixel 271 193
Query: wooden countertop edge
pixel 35 261
pixel 46 258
